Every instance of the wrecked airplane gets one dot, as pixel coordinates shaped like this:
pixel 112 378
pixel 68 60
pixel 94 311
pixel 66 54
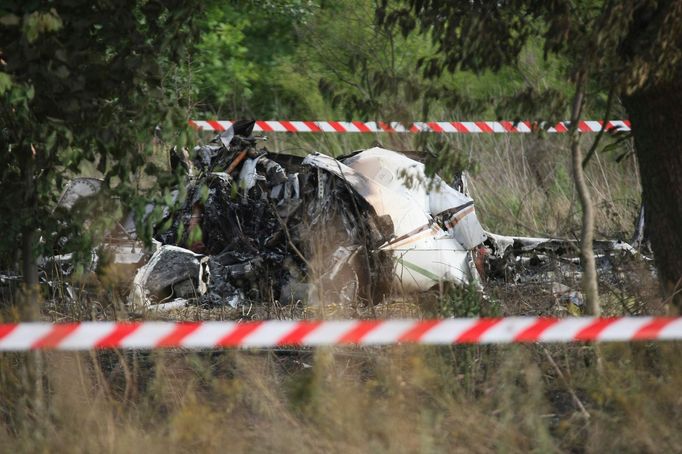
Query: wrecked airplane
pixel 253 226
pixel 286 228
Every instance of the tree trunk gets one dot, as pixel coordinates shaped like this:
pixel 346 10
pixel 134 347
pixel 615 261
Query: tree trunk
pixel 656 115
pixel 589 280
pixel 29 268
pixel 29 265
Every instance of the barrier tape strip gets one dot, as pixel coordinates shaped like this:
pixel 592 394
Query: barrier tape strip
pixel 442 127
pixel 275 333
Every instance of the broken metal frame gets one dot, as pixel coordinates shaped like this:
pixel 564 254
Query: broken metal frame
pixel 434 233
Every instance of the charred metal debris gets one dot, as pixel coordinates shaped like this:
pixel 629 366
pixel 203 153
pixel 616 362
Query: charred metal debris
pixel 272 227
pixel 257 226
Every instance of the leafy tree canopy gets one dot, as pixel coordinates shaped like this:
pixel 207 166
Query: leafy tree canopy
pixel 81 81
pixel 624 45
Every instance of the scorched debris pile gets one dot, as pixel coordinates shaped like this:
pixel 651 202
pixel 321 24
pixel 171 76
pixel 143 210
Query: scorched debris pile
pixel 272 227
pixel 249 226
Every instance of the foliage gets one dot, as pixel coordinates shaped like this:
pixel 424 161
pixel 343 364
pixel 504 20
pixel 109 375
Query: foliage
pixel 466 302
pixel 631 44
pixel 373 71
pixel 240 63
pixel 81 81
pixel 307 59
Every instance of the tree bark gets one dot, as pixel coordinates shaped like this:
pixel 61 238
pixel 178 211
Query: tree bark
pixel 29 268
pixel 589 280
pixel 656 115
pixel 29 265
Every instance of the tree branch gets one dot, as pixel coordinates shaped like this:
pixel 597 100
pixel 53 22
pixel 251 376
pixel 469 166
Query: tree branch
pixel 607 113
pixel 589 280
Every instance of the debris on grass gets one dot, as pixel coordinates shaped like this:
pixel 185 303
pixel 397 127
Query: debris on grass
pixel 250 226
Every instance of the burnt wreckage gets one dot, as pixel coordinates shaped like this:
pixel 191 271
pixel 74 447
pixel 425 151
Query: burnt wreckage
pixel 255 226
pixel 287 228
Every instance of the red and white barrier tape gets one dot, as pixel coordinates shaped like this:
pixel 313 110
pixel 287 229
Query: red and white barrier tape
pixel 273 333
pixel 443 127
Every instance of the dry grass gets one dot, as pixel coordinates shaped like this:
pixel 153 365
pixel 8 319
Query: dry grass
pixel 401 399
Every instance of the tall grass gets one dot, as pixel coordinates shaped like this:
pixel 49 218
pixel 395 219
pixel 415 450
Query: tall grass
pixel 400 399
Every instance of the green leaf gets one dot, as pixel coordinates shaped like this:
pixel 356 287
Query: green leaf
pixel 195 235
pixel 38 23
pixel 5 82
pixel 51 140
pixel 203 193
pixel 62 72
